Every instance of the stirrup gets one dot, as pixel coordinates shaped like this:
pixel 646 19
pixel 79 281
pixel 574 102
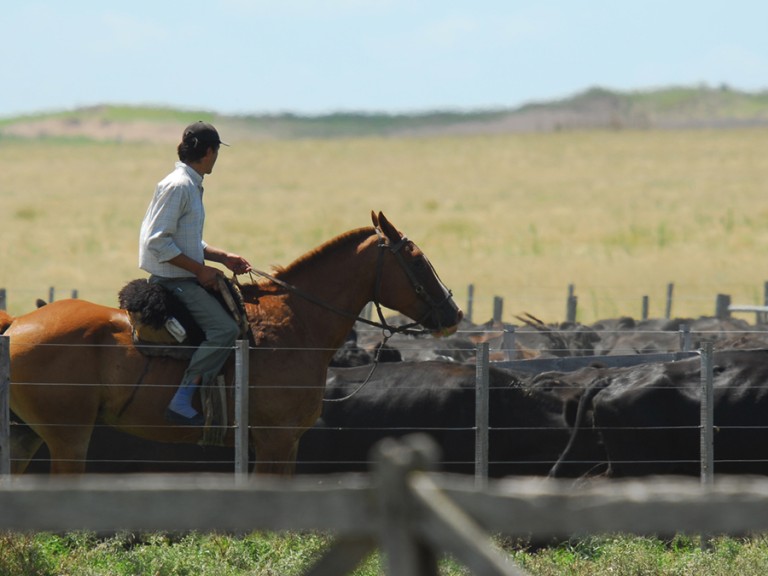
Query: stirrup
pixel 176 418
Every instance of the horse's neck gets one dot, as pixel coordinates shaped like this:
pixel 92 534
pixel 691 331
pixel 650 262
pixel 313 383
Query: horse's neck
pixel 338 285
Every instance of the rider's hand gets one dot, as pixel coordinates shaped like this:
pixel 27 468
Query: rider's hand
pixel 237 264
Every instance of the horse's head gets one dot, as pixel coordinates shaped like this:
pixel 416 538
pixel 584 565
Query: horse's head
pixel 407 282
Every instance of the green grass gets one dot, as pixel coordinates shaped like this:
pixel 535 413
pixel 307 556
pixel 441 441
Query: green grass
pixel 286 554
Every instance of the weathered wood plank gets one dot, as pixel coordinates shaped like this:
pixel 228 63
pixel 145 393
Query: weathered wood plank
pixel 348 505
pixel 182 502
pixel 447 526
pixel 662 506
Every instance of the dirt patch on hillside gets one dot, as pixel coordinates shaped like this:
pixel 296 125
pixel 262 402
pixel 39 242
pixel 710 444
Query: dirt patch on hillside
pixel 95 129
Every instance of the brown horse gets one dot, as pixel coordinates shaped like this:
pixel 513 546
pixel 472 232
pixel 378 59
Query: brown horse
pixel 73 363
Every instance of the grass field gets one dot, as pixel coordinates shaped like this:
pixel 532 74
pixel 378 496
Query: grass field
pixel 264 554
pixel 618 214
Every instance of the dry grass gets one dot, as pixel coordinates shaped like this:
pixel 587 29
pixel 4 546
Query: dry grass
pixel 618 214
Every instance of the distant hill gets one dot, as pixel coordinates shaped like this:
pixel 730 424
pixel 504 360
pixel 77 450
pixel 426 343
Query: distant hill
pixel 596 108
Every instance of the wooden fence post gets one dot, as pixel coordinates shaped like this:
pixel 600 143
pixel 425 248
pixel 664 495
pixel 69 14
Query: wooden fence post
pixel 482 418
pixel 668 311
pixel 644 312
pixel 722 303
pixel 406 554
pixel 470 301
pixel 498 308
pixel 570 305
pixel 242 429
pixel 5 424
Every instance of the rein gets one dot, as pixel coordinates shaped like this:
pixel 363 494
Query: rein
pixel 382 324
pixel 387 330
pixel 406 329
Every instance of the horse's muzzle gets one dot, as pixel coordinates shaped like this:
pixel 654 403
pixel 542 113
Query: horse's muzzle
pixel 443 331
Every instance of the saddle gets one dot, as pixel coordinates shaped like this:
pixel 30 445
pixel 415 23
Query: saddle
pixel 162 325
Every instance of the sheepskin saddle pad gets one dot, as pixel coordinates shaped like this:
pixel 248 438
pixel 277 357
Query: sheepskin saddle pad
pixel 162 325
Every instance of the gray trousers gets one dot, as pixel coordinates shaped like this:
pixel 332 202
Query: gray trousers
pixel 221 331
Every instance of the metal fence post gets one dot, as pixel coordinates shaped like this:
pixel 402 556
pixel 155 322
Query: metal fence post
pixel 707 414
pixel 5 424
pixel 685 337
pixel 707 417
pixel 482 418
pixel 241 410
pixel 508 342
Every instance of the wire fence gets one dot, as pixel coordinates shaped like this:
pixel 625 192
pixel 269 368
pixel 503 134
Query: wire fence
pixel 514 445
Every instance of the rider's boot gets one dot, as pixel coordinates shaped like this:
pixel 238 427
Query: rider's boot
pixel 180 409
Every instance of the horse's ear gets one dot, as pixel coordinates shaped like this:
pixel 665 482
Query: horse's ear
pixel 389 230
pixel 374 219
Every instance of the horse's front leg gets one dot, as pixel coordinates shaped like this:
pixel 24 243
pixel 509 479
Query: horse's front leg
pixel 275 450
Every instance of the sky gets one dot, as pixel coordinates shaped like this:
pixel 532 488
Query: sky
pixel 314 57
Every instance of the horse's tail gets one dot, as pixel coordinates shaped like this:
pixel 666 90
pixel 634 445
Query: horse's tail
pixel 5 321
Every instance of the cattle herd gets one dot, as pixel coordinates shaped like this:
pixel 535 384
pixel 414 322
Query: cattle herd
pixel 599 419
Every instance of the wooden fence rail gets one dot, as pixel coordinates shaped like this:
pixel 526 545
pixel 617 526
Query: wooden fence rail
pixel 412 514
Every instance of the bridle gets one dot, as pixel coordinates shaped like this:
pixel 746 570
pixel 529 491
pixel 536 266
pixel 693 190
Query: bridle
pixel 418 287
pixel 387 330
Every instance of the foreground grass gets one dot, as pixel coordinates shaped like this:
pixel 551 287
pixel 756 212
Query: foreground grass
pixel 261 554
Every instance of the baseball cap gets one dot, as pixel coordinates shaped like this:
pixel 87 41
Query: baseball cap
pixel 203 133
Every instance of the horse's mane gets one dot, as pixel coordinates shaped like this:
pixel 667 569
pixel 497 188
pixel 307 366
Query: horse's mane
pixel 351 237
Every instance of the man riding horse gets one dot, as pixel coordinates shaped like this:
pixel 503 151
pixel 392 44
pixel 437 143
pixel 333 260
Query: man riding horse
pixel 172 250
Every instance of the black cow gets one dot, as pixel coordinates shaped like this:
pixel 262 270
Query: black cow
pixel 647 417
pixel 662 335
pixel 527 427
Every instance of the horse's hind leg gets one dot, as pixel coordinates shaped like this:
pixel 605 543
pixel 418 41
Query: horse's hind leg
pixel 24 444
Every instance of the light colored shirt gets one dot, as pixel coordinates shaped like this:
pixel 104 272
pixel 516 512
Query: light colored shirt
pixel 173 224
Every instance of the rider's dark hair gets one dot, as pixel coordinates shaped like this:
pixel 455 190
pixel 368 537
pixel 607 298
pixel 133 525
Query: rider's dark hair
pixel 193 150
